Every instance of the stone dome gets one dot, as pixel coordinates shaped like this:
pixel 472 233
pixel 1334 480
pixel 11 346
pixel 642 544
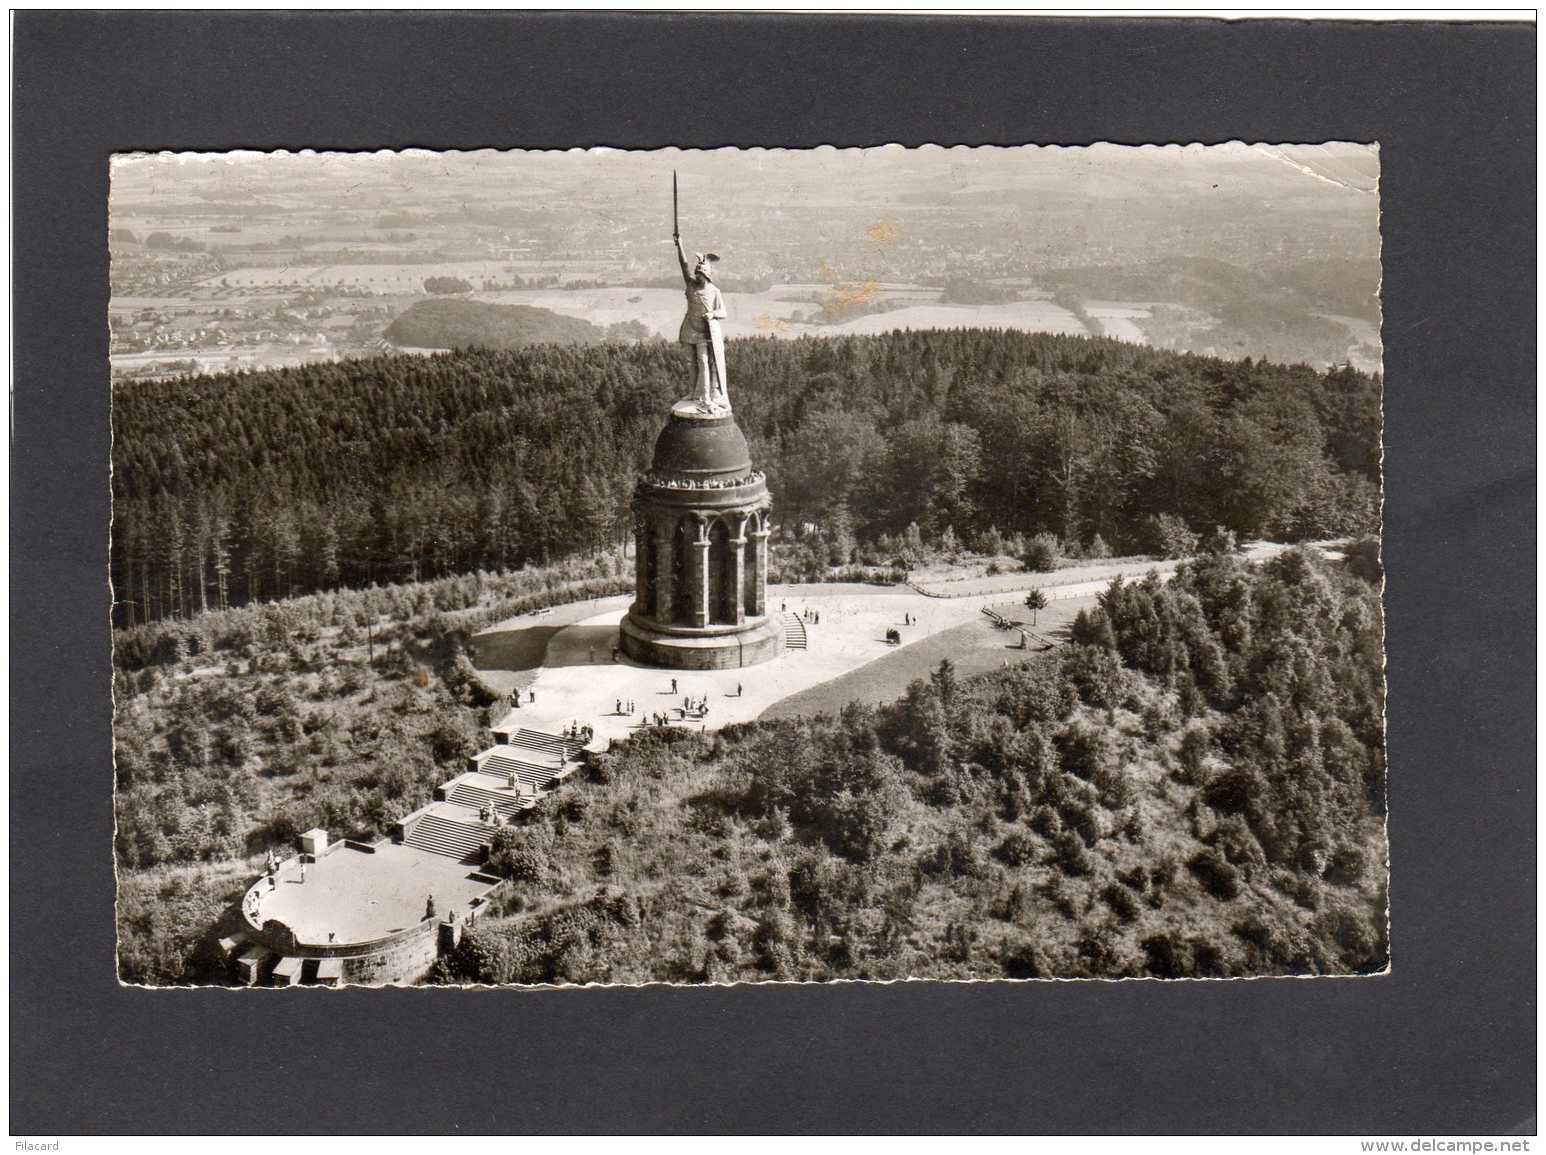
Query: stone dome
pixel 702 447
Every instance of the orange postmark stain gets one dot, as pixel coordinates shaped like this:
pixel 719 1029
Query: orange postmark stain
pixel 844 298
pixel 882 231
pixel 860 294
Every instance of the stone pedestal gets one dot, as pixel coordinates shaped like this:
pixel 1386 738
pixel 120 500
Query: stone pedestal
pixel 701 532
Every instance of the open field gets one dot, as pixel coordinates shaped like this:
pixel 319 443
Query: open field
pixel 1119 319
pixel 1030 316
pixel 974 647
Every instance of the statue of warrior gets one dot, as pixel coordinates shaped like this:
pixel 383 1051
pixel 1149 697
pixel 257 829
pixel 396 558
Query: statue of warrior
pixel 701 326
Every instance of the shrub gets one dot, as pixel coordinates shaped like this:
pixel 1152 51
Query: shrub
pixel 274 699
pixel 1095 673
pixel 1194 746
pixel 1045 821
pixel 1105 952
pixel 1041 553
pixel 1166 535
pixel 1349 865
pixel 1236 842
pixel 1017 849
pixel 1169 956
pixel 1085 752
pixel 449 742
pixel 1121 901
pixel 1157 719
pixel 1115 785
pixel 957 857
pixel 989 543
pixel 1092 628
pixel 1071 854
pixel 1362 559
pixel 1025 960
pixel 1220 878
pixel 1238 790
pixel 859 826
pixel 1018 906
pixel 164 928
pixel 515 855
pixel 1360 944
pixel 1081 818
pixel 1219 540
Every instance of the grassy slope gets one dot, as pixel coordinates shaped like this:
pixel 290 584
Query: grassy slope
pixel 328 738
pixel 707 889
pixel 975 648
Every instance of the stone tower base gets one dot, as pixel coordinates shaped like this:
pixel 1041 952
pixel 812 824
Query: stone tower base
pixel 723 648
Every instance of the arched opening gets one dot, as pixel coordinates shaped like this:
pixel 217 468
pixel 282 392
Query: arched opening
pixel 721 575
pixel 681 574
pixel 754 545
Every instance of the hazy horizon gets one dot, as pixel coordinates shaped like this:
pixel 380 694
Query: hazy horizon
pixel 1234 249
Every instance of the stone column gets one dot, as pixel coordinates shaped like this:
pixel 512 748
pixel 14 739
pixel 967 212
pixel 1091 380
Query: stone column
pixel 700 573
pixel 665 591
pixel 760 588
pixel 737 589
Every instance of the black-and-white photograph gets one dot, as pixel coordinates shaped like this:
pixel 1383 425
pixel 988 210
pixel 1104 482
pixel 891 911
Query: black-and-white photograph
pixel 749 565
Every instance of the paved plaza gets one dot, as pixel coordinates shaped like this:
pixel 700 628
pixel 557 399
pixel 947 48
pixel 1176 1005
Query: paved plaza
pixel 360 895
pixel 580 680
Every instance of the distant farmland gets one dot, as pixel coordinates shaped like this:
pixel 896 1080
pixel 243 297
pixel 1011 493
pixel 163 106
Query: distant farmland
pixel 784 311
pixel 383 278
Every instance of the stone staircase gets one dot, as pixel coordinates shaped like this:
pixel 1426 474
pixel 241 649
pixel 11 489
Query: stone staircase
pixel 553 745
pixel 452 827
pixel 531 774
pixel 794 632
pixel 441 835
pixel 474 797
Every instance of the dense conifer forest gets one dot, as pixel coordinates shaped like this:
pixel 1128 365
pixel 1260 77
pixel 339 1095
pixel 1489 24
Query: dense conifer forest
pixel 263 485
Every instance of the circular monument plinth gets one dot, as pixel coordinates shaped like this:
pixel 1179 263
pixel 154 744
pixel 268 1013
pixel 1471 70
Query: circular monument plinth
pixel 701 535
